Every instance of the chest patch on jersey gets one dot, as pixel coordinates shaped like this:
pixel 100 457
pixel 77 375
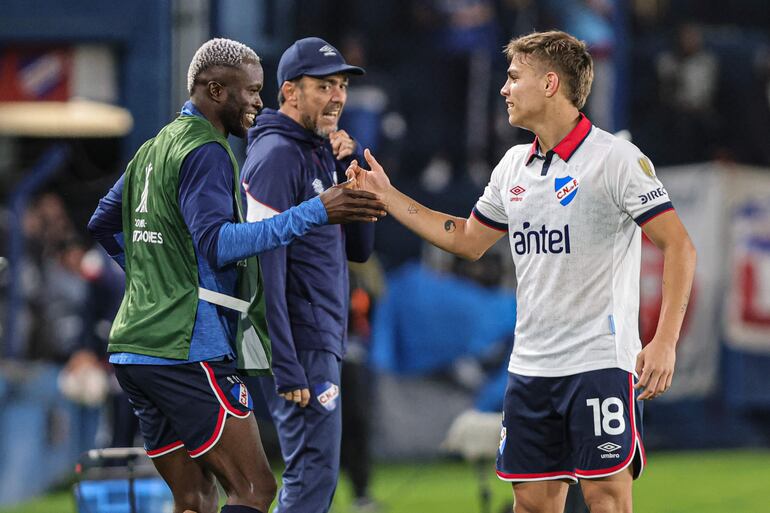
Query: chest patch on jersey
pixel 566 189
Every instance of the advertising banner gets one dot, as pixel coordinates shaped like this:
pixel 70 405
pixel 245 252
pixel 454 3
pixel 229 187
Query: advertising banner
pixel 747 309
pixel 697 194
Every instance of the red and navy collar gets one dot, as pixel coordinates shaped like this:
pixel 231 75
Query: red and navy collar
pixel 567 146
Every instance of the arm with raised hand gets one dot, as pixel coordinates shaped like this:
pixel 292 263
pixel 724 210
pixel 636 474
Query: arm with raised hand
pixel 467 238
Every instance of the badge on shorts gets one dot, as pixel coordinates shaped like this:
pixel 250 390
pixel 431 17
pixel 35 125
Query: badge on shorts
pixel 327 394
pixel 503 437
pixel 241 394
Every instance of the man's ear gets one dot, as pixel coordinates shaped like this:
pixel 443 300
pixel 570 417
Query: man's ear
pixel 289 90
pixel 552 84
pixel 216 91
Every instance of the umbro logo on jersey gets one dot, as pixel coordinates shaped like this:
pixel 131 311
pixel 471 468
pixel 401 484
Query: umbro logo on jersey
pixel 327 50
pixel 517 193
pixel 566 188
pixel 541 240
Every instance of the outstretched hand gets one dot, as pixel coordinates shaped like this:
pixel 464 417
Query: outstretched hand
pixel 345 203
pixel 374 181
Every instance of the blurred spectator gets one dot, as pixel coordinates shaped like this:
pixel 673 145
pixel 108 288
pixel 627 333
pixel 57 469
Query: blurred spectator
pixel 63 302
pixel 688 85
pixel 448 64
pixel 372 110
pixel 52 291
pixel 71 296
pixel 101 283
pixel 106 283
pixel 758 111
pixel 591 21
pixel 517 17
pixel 367 283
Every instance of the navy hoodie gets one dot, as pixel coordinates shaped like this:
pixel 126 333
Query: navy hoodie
pixel 306 282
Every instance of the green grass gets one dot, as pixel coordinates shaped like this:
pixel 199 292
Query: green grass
pixel 686 482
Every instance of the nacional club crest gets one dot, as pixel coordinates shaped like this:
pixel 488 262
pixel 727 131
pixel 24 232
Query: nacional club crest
pixel 241 394
pixel 566 189
pixel 327 394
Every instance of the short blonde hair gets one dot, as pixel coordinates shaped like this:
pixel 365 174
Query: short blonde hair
pixel 565 53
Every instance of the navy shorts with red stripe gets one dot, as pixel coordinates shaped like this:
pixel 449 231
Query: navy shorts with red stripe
pixel 584 426
pixel 184 405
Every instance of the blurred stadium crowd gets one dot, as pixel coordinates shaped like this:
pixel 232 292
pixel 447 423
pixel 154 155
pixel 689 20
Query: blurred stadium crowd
pixel 689 80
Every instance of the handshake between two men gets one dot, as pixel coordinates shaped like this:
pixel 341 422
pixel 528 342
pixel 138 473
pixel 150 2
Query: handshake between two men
pixel 360 197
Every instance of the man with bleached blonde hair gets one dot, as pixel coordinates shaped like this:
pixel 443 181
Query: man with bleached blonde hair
pixel 192 319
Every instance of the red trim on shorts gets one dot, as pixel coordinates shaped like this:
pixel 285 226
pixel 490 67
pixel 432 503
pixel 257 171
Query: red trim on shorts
pixel 634 441
pixel 165 449
pixel 221 397
pixel 214 437
pixel 536 477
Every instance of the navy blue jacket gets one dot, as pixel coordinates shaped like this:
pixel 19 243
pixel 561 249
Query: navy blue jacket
pixel 306 282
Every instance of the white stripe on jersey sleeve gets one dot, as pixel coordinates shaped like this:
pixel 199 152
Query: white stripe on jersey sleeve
pixel 256 211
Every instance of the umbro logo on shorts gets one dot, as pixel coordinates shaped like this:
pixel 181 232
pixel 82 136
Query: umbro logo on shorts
pixel 609 448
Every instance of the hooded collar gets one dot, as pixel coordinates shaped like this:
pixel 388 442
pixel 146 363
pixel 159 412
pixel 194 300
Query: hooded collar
pixel 189 109
pixel 273 121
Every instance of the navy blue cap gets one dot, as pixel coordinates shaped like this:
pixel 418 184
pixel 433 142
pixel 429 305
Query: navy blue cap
pixel 314 57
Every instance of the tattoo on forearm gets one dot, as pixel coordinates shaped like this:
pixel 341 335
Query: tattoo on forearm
pixel 412 208
pixel 683 309
pixel 449 226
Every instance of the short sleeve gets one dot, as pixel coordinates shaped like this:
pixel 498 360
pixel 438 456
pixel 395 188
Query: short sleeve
pixel 635 186
pixel 489 209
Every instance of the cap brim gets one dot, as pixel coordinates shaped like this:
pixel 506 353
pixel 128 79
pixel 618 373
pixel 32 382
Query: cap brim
pixel 334 69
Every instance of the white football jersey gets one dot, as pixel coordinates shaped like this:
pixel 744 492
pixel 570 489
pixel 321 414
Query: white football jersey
pixel 573 219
